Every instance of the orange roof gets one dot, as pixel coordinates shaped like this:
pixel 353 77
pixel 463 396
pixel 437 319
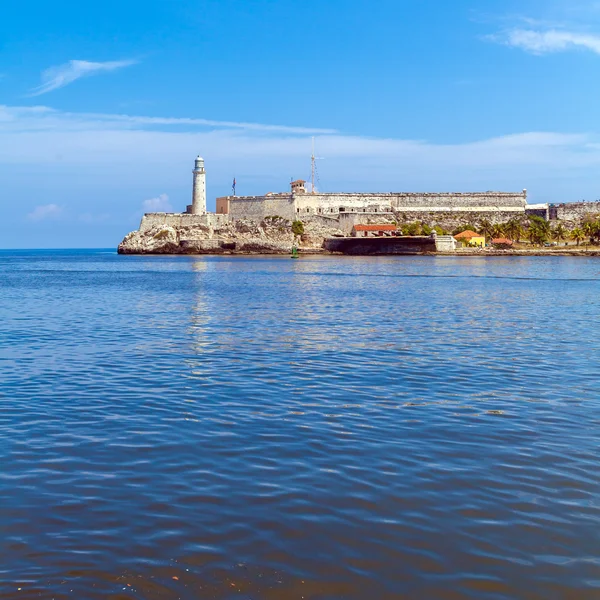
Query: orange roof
pixel 386 227
pixel 467 234
pixel 298 181
pixel 504 241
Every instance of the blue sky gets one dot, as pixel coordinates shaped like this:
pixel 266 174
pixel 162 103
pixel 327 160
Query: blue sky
pixel 103 106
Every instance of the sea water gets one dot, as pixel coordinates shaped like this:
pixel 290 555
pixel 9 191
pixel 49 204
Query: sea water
pixel 329 427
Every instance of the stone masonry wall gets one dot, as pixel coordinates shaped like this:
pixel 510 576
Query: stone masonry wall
pixel 257 208
pixel 332 203
pixel 496 207
pixel 574 212
pixel 462 202
pixel 175 220
pixel 442 202
pixel 451 220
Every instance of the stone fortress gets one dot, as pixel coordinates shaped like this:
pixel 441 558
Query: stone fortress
pixel 348 209
pixel 258 219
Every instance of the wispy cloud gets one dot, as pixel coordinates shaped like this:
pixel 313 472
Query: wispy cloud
pixel 44 118
pixel 62 75
pixel 211 123
pixel 117 158
pixel 159 204
pixel 548 41
pixel 45 212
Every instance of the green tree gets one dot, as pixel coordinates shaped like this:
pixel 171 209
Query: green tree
pixel 486 228
pixel 514 229
pixel 595 232
pixel 425 229
pixel 578 235
pixel 560 233
pixel 539 230
pixel 414 228
pixel 590 227
pixel 297 227
pixel 499 230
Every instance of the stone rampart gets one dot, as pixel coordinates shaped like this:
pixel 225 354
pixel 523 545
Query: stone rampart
pixel 574 212
pixel 336 203
pixel 461 202
pixel 417 202
pixel 452 219
pixel 497 206
pixel 445 243
pixel 257 208
pixel 176 220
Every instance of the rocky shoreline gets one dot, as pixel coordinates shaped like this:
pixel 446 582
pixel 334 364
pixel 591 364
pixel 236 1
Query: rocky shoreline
pixel 272 235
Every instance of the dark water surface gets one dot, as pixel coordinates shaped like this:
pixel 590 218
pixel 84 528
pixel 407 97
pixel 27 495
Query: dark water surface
pixel 213 427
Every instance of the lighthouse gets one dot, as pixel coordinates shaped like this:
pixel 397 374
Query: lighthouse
pixel 199 189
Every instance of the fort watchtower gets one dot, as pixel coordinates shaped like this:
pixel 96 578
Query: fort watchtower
pixel 298 186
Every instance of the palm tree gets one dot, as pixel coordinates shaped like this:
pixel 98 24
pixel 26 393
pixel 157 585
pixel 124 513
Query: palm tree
pixel 539 230
pixel 486 228
pixel 499 231
pixel 588 228
pixel 595 232
pixel 514 229
pixel 578 235
pixel 560 232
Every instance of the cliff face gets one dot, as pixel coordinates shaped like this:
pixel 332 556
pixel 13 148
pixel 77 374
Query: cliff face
pixel 272 235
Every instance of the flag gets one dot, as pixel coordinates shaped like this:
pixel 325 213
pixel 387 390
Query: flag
pixel 233 186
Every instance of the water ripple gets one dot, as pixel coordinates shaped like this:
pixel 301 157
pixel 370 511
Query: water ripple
pixel 214 427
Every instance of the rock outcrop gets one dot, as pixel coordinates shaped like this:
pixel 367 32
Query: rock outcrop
pixel 272 235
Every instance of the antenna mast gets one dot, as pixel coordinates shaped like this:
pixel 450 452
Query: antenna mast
pixel 312 164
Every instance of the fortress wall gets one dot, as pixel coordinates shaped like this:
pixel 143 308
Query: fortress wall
pixel 151 220
pixel 574 211
pixel 452 219
pixel 444 202
pixel 259 207
pixel 331 203
pixel 499 206
pixel 480 201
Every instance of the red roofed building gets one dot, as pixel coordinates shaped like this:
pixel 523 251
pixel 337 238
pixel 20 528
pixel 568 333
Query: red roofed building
pixel 502 242
pixel 379 230
pixel 470 238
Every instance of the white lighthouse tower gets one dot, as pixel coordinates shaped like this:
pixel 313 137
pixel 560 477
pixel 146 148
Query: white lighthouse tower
pixel 199 190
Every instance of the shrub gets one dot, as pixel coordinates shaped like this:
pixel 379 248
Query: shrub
pixel 414 228
pixel 297 228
